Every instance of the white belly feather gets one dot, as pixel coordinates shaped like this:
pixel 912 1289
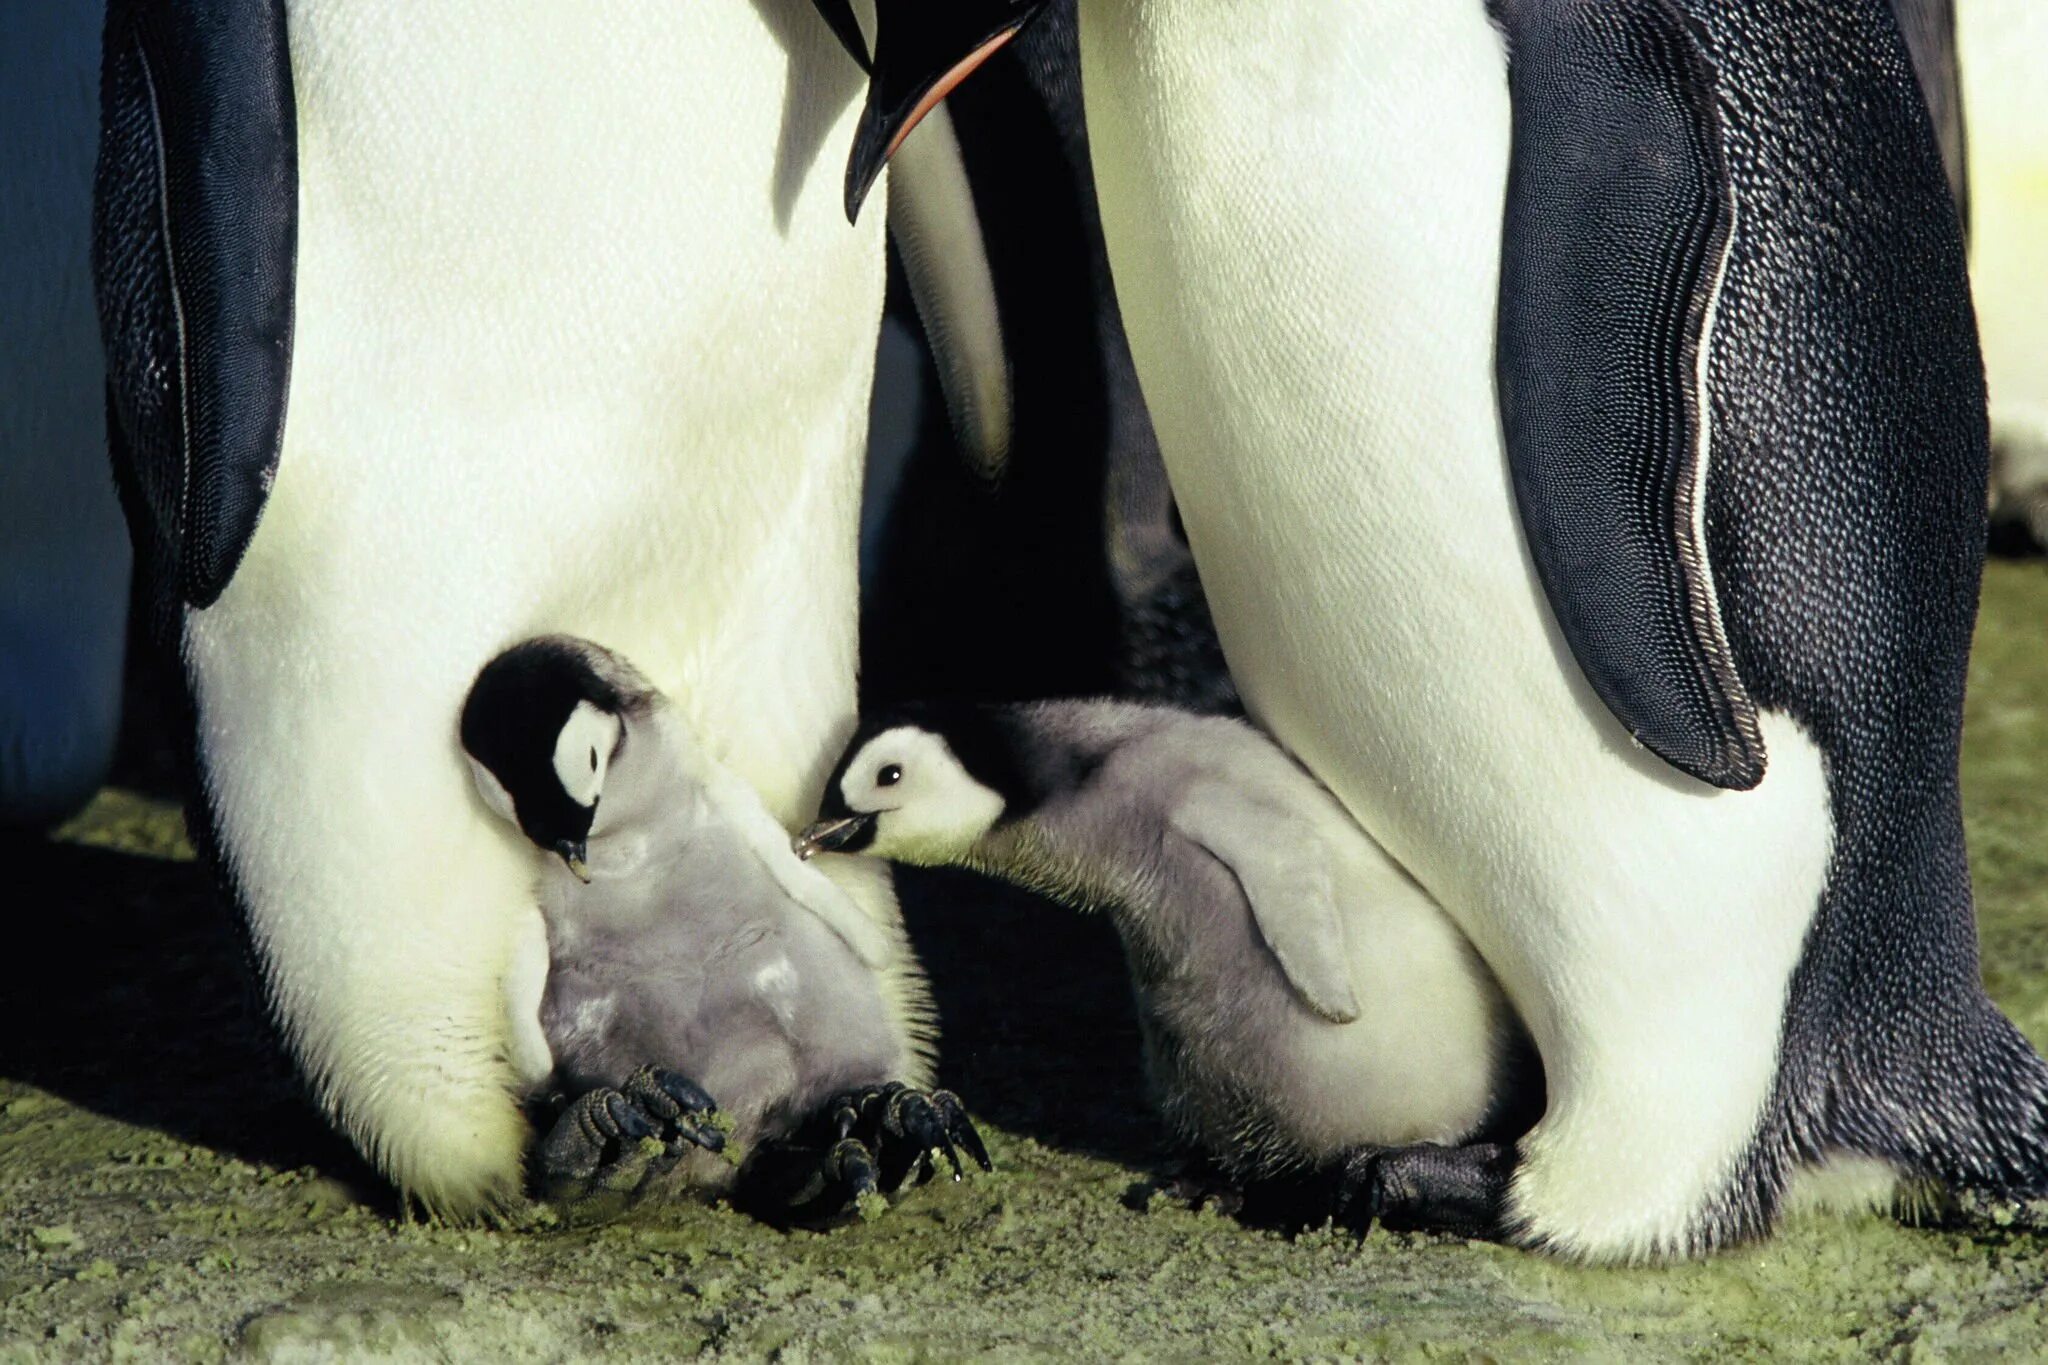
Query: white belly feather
pixel 583 344
pixel 1303 202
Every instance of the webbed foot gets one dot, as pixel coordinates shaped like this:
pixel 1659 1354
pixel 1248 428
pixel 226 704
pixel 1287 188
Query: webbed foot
pixel 611 1142
pixel 1428 1188
pixel 863 1145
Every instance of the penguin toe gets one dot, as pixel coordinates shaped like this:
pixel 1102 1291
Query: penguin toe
pixel 959 1127
pixel 911 1126
pixel 680 1110
pixel 602 1141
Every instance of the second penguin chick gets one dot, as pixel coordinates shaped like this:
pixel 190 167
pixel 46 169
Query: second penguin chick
pixel 1304 1004
pixel 691 958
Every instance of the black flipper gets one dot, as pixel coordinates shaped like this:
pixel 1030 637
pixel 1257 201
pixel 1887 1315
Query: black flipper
pixel 195 234
pixel 1930 30
pixel 1619 215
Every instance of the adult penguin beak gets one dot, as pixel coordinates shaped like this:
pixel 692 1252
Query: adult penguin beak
pixel 828 836
pixel 923 49
pixel 575 855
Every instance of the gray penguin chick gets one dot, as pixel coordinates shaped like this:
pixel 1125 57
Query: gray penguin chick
pixel 692 957
pixel 1304 1004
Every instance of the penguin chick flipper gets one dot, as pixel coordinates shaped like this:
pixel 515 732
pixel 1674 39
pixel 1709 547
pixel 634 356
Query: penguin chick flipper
pixel 802 881
pixel 1287 878
pixel 195 235
pixel 1620 219
pixel 1461 1191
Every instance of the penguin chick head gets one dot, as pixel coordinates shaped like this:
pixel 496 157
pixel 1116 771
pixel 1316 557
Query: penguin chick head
pixel 543 725
pixel 915 791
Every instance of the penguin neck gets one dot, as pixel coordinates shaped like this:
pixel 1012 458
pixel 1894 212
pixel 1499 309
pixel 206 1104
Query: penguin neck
pixel 1020 851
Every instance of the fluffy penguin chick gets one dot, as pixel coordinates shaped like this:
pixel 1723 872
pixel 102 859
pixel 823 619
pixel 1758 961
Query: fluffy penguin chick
pixel 691 957
pixel 1302 1000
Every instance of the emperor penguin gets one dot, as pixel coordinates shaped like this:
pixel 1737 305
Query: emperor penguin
pixel 431 329
pixel 1305 1006
pixel 1577 416
pixel 697 969
pixel 64 564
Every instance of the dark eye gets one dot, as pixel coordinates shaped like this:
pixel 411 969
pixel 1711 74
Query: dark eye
pixel 593 758
pixel 890 775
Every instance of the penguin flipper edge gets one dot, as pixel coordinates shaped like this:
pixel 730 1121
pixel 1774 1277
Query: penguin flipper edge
pixel 1620 218
pixel 1291 885
pixel 195 233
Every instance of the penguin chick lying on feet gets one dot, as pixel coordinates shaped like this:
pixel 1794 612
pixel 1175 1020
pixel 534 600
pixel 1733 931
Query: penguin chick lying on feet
pixel 1304 1004
pixel 691 957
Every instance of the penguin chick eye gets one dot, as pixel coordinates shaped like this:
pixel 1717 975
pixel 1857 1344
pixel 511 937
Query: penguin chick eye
pixel 890 775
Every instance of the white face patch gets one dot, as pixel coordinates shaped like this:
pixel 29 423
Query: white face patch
pixel 930 809
pixel 583 751
pixel 492 790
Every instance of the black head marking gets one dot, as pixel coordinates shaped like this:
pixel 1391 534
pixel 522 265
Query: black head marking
pixel 516 709
pixel 991 742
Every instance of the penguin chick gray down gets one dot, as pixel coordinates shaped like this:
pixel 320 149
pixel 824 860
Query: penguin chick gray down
pixel 1304 1004
pixel 691 956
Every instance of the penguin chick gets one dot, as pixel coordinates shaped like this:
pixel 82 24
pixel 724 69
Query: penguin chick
pixel 1303 1003
pixel 692 957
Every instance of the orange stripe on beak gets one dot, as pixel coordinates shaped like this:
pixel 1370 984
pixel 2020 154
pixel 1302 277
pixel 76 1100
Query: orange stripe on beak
pixel 961 70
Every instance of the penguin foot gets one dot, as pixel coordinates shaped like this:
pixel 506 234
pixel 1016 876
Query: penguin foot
pixel 904 1127
pixel 864 1145
pixel 615 1141
pixel 1427 1188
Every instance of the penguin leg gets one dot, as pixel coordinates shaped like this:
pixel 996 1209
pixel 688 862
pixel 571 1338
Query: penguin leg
pixel 1428 1188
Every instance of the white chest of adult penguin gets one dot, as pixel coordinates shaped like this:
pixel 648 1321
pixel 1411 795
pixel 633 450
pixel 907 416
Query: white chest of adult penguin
pixel 577 339
pixel 1578 422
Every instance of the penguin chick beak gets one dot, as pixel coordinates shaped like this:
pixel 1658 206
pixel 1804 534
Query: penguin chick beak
pixel 830 836
pixel 575 854
pixel 922 51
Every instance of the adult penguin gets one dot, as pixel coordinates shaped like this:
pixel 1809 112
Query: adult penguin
pixel 430 330
pixel 1578 420
pixel 63 555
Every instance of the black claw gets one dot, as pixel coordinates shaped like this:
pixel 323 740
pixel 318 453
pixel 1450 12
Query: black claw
pixel 872 1140
pixel 688 1096
pixel 854 1165
pixel 961 1128
pixel 618 1117
pixel 679 1105
pixel 911 1131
